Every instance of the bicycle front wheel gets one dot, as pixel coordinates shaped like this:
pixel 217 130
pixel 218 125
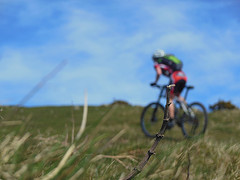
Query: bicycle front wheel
pixel 195 123
pixel 152 119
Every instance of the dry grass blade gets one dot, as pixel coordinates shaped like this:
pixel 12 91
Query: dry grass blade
pixel 76 176
pixel 72 148
pixel 84 120
pixel 43 81
pixel 5 142
pixel 73 127
pixel 21 171
pixel 53 173
pixel 117 158
pixel 10 123
pixel 13 147
pixel 188 167
pixel 65 143
pixel 114 139
pixel 36 88
pixel 100 156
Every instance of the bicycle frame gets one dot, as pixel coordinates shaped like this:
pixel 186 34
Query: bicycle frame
pixel 161 95
pixel 185 108
pixel 163 90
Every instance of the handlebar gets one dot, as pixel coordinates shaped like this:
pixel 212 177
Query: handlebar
pixel 163 86
pixel 159 86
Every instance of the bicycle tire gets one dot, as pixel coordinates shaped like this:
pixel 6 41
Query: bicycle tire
pixel 149 126
pixel 198 124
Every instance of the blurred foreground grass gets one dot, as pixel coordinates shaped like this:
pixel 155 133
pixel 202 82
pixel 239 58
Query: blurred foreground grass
pixel 38 141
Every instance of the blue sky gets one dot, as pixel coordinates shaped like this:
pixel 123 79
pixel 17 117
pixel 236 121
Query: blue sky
pixel 108 46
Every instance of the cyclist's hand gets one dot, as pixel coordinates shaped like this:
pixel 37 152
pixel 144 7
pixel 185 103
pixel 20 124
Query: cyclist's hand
pixel 153 84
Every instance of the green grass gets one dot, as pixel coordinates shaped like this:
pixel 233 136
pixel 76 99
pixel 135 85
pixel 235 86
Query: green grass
pixel 112 144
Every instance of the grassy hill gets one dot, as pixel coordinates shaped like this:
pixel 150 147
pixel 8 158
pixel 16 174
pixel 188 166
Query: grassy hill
pixel 41 143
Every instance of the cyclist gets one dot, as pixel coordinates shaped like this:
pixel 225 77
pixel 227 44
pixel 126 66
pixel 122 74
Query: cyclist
pixel 170 66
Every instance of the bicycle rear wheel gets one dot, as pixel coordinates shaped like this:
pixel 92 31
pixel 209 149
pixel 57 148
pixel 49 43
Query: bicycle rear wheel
pixel 152 119
pixel 195 123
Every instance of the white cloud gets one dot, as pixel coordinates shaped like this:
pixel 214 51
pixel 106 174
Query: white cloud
pixel 14 67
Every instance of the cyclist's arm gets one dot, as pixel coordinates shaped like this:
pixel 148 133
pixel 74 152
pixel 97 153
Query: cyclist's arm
pixel 158 71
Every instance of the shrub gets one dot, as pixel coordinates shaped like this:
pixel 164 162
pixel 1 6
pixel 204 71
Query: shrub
pixel 222 105
pixel 120 102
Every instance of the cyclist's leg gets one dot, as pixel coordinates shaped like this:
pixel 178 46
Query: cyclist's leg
pixel 180 98
pixel 179 85
pixel 176 91
pixel 179 79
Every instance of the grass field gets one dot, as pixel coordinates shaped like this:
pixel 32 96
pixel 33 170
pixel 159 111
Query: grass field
pixel 40 143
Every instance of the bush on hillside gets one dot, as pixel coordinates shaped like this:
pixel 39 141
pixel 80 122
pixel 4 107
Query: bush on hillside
pixel 222 105
pixel 120 102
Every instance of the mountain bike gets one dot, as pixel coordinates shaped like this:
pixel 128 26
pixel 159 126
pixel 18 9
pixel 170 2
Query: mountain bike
pixel 191 118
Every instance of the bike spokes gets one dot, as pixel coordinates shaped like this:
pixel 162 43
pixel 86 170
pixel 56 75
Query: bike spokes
pixel 195 122
pixel 152 118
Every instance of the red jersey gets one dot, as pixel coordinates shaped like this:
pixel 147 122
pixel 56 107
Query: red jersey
pixel 166 70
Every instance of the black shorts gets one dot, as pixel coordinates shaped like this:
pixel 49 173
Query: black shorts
pixel 179 85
